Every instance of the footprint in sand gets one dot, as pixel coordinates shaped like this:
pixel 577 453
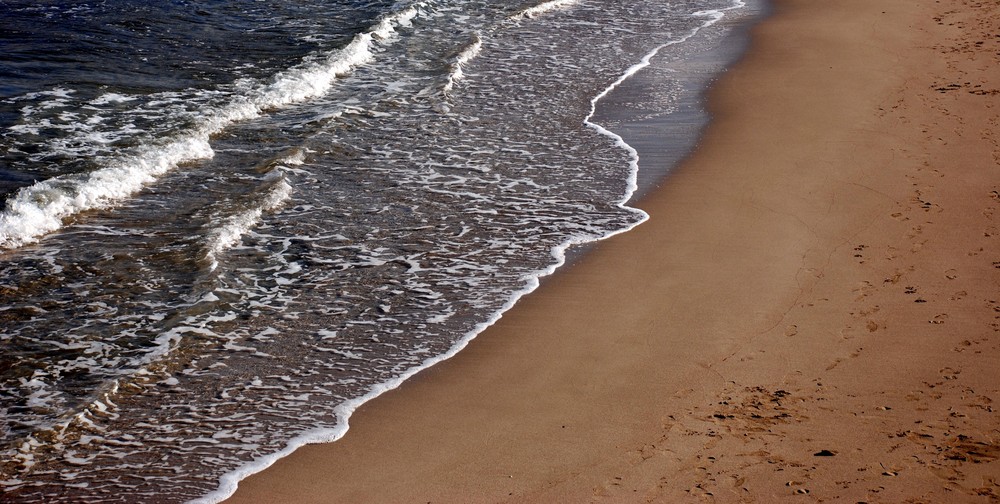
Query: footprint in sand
pixel 963 346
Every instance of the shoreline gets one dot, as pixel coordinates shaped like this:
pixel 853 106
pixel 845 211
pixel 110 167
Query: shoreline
pixel 713 57
pixel 664 137
pixel 716 350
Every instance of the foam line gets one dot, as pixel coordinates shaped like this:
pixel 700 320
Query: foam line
pixel 230 233
pixel 542 8
pixel 467 54
pixel 229 482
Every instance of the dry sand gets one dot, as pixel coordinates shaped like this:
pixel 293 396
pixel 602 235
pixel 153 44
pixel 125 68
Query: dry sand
pixel 813 312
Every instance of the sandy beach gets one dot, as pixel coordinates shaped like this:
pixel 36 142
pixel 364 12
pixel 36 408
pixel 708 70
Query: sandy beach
pixel 812 312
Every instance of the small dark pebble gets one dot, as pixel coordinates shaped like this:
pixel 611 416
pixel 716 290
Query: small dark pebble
pixel 824 453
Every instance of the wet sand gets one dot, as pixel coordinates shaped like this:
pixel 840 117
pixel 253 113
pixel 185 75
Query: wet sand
pixel 812 313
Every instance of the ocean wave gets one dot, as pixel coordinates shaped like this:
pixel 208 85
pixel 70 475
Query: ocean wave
pixel 43 207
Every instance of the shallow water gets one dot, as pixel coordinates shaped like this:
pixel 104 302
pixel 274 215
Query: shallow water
pixel 229 223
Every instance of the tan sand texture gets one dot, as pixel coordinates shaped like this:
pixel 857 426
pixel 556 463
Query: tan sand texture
pixel 811 314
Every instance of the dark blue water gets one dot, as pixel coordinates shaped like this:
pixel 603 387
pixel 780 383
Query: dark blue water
pixel 139 49
pixel 228 223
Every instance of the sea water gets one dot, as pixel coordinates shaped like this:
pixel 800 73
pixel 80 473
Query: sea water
pixel 226 224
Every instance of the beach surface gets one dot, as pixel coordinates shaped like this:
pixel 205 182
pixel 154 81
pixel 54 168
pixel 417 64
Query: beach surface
pixel 812 312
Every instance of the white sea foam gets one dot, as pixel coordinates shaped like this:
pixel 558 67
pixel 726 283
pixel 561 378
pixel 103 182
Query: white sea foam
pixel 107 98
pixel 229 482
pixel 455 175
pixel 467 54
pixel 542 8
pixel 41 208
pixel 231 231
pixel 296 158
pixel 714 16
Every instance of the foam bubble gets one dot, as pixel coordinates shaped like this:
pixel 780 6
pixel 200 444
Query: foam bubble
pixel 542 8
pixel 107 98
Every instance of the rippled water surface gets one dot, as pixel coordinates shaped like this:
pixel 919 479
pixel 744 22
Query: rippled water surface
pixel 227 223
